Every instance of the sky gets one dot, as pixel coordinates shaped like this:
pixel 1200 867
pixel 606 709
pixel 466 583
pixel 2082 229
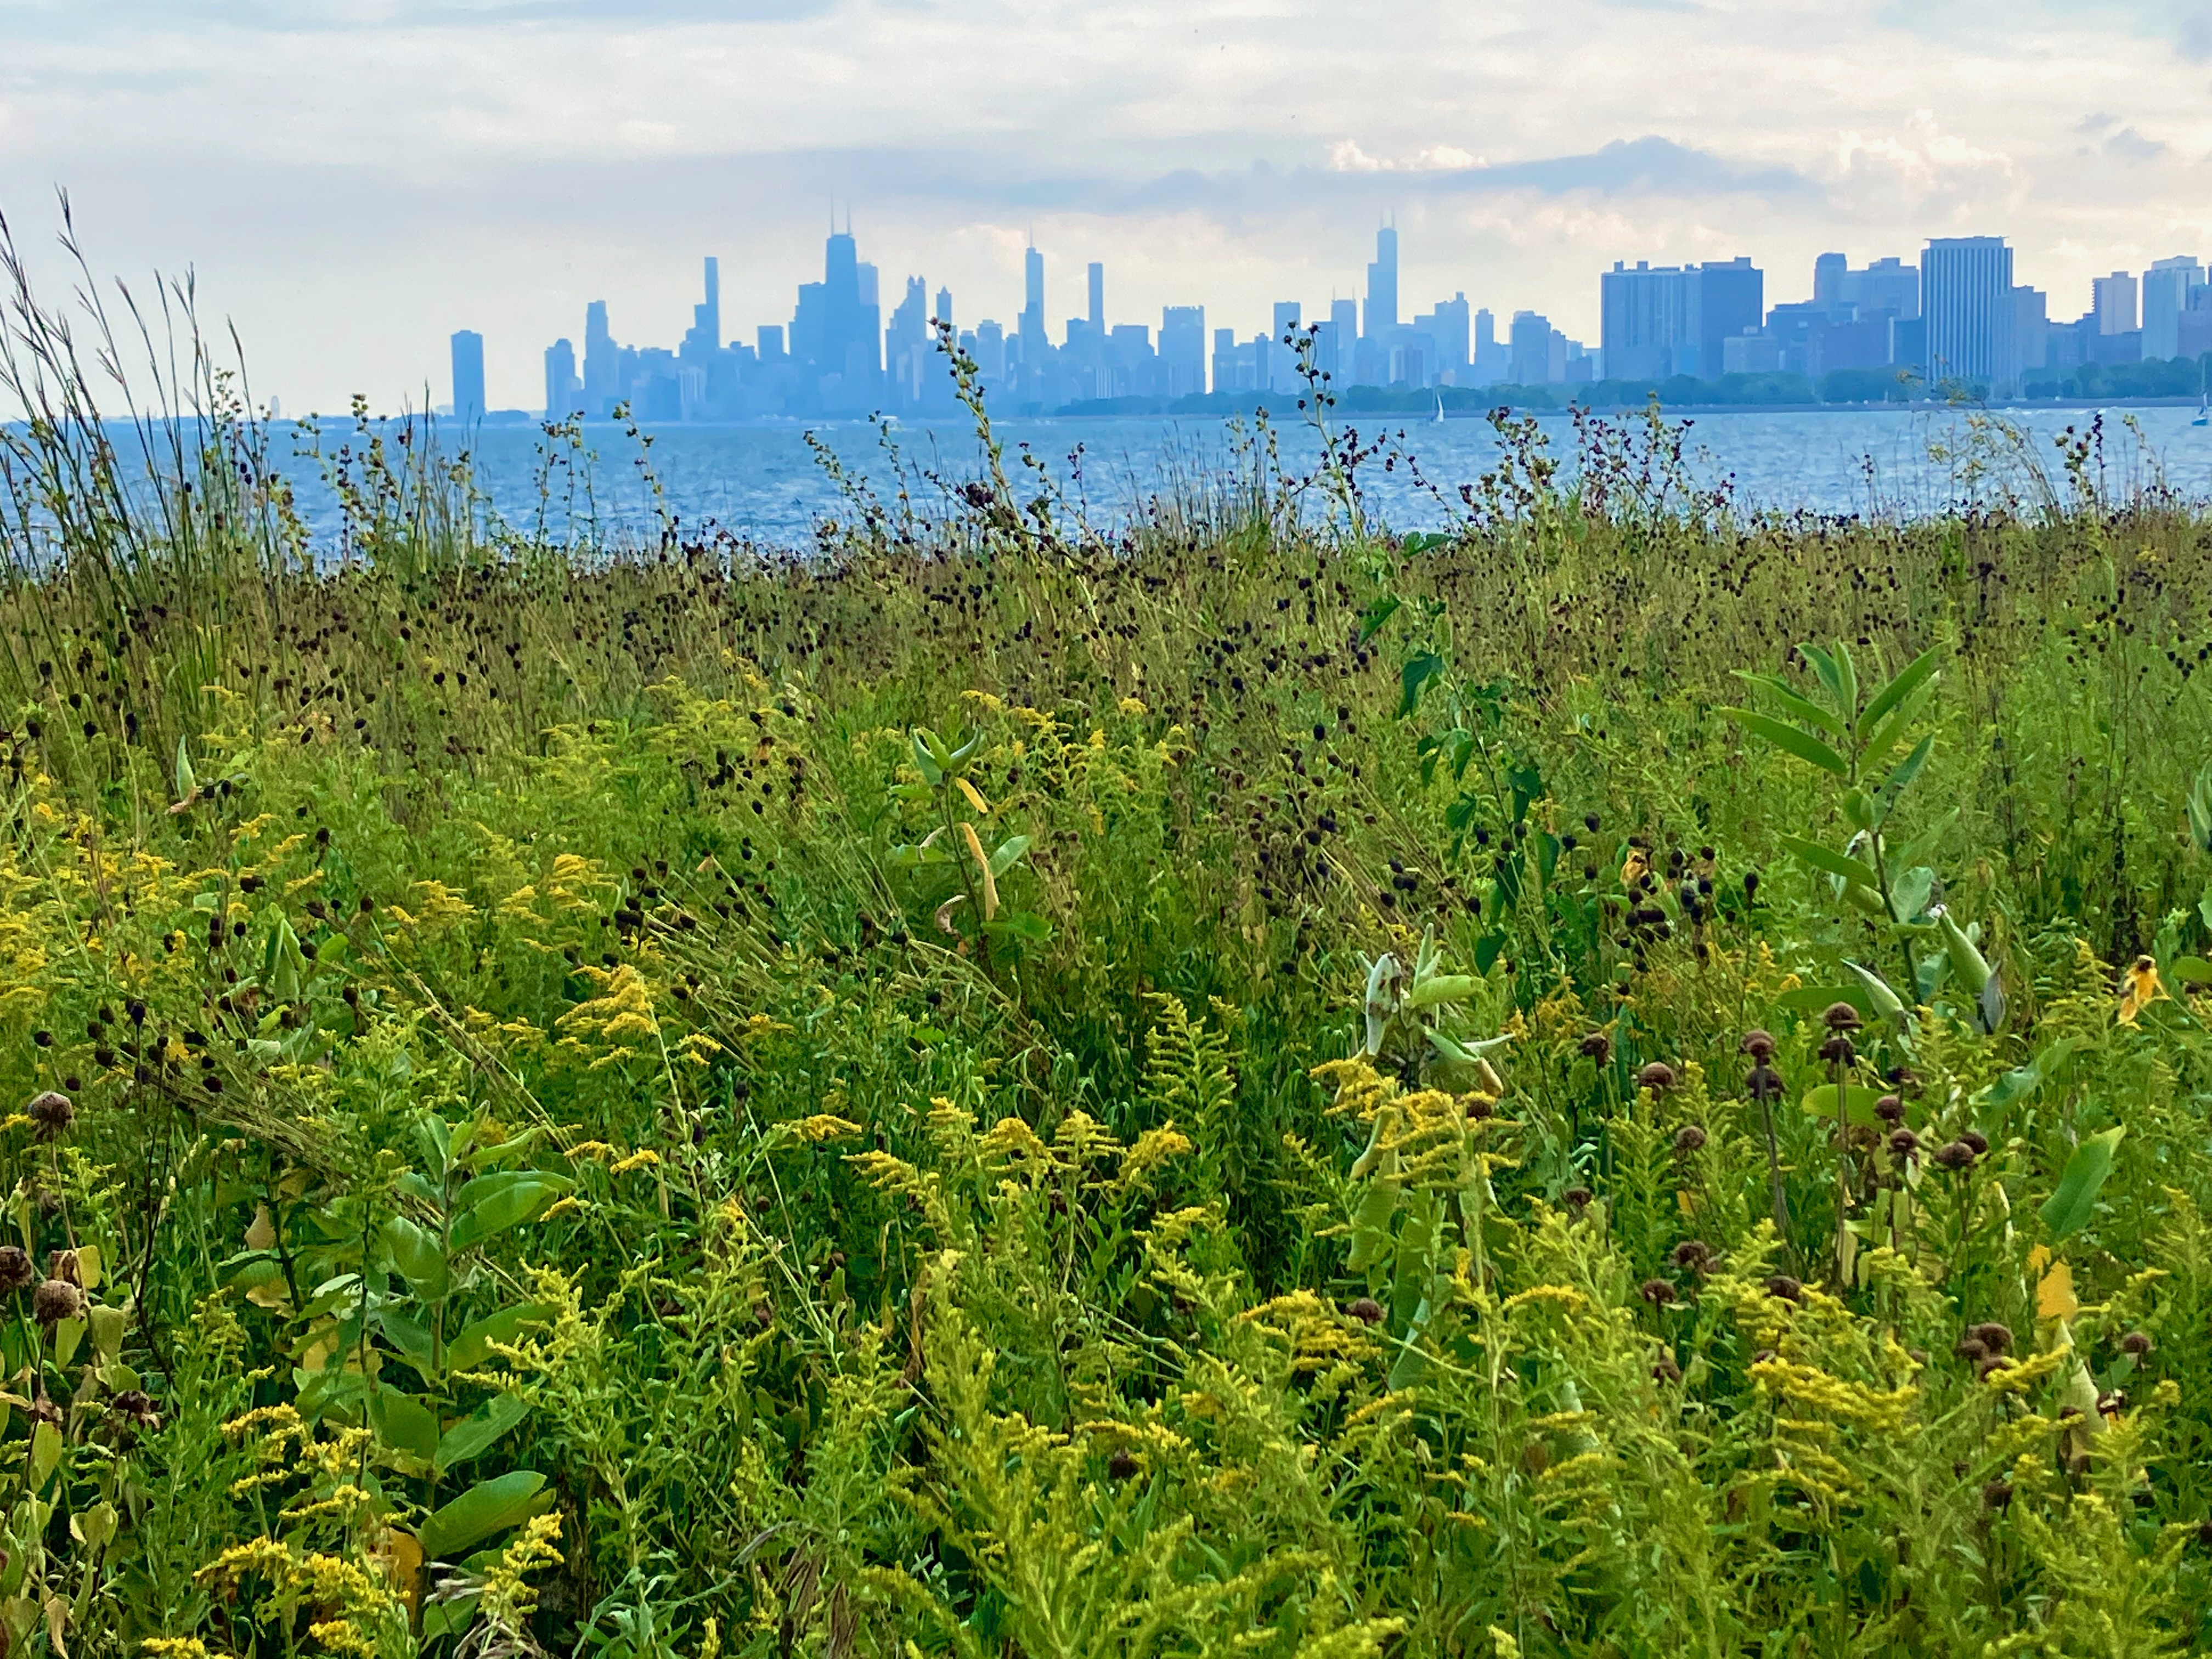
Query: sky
pixel 347 186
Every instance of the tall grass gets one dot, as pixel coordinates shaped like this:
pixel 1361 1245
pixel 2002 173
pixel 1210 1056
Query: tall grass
pixel 1022 1082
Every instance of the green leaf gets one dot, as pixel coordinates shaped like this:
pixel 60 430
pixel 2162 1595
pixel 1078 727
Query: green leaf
pixel 489 1507
pixel 926 762
pixel 415 1253
pixel 1417 673
pixel 2199 818
pixel 1912 891
pixel 1378 614
pixel 1008 853
pixel 1025 925
pixel 1782 735
pixel 1908 680
pixel 1884 736
pixel 1824 669
pixel 1858 1101
pixel 1801 708
pixel 1886 1001
pixel 475 1434
pixel 1907 769
pixel 1812 998
pixel 1849 870
pixel 2190 970
pixel 492 1203
pixel 404 1422
pixel 186 782
pixel 2069 1210
pixel 45 1452
pixel 1442 987
pixel 473 1346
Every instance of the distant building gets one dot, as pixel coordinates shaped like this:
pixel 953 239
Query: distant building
pixel 2167 287
pixel 1383 285
pixel 1450 329
pixel 2031 334
pixel 2193 328
pixel 1658 320
pixel 1965 287
pixel 2114 302
pixel 1183 351
pixel 564 393
pixel 1756 352
pixel 468 376
pixel 1531 337
pixel 1097 275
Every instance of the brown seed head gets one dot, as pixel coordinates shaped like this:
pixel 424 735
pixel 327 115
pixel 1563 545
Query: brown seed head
pixel 1366 1309
pixel 1953 1155
pixel 2138 1343
pixel 1840 1016
pixel 1783 1286
pixel 51 1112
pixel 1690 1138
pixel 17 1273
pixel 56 1300
pixel 1758 1044
pixel 1658 1077
pixel 1657 1291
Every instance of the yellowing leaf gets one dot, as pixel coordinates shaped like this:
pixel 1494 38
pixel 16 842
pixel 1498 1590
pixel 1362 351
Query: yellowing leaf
pixel 983 868
pixel 2054 1296
pixel 262 1235
pixel 975 796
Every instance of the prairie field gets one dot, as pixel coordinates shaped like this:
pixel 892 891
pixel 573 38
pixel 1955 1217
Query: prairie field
pixel 1623 1079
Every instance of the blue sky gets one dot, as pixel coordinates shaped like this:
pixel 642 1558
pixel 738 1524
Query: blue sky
pixel 350 184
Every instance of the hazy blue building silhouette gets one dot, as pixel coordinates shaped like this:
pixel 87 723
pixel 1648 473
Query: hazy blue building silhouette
pixel 1382 284
pixel 1965 289
pixel 1097 275
pixel 564 393
pixel 1729 298
pixel 602 361
pixel 1647 328
pixel 468 375
pixel 835 333
pixel 1183 351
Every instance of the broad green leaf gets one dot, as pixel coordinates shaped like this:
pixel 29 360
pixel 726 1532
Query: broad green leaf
pixel 1858 1101
pixel 473 1346
pixel 1847 671
pixel 1008 853
pixel 45 1452
pixel 1782 735
pixel 492 1203
pixel 404 1422
pixel 2070 1208
pixel 417 1253
pixel 1812 998
pixel 1849 870
pixel 1824 669
pixel 1908 680
pixel 1912 891
pixel 1802 708
pixel 1883 737
pixel 2190 970
pixel 187 783
pixel 1442 987
pixel 926 762
pixel 1376 614
pixel 489 1507
pixel 1886 1001
pixel 1907 769
pixel 2200 816
pixel 474 1434
pixel 1417 673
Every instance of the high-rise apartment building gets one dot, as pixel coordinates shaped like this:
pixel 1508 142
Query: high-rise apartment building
pixel 1095 276
pixel 602 361
pixel 1647 321
pixel 1966 289
pixel 468 375
pixel 1382 284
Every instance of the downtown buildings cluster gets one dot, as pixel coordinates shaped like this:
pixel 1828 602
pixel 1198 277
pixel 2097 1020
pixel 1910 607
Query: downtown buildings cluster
pixel 1953 318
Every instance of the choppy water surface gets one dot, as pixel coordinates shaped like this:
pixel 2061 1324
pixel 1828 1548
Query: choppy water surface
pixel 763 482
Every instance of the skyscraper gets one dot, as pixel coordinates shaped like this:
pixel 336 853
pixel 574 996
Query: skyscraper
pixel 1030 325
pixel 834 328
pixel 468 375
pixel 706 317
pixel 1731 298
pixel 1183 351
pixel 2114 298
pixel 1829 272
pixel 564 394
pixel 1382 284
pixel 1647 320
pixel 602 361
pixel 1965 292
pixel 1097 281
pixel 2165 289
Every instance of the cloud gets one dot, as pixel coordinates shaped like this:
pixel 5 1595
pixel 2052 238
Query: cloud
pixel 2195 38
pixel 2132 146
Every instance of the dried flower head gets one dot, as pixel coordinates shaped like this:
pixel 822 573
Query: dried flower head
pixel 1365 1309
pixel 1840 1016
pixel 1690 1138
pixel 1658 1077
pixel 1758 1043
pixel 54 1300
pixel 51 1112
pixel 17 1273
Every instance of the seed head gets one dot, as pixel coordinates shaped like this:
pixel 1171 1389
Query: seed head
pixel 1576 1198
pixel 1657 1291
pixel 1120 1466
pixel 1692 1253
pixel 2138 1343
pixel 1764 1084
pixel 1783 1286
pixel 1837 1049
pixel 17 1273
pixel 1598 1045
pixel 1840 1016
pixel 1995 1494
pixel 1953 1155
pixel 1689 1139
pixel 1890 1109
pixel 1903 1142
pixel 1664 1370
pixel 1975 1142
pixel 1995 1337
pixel 56 1300
pixel 1758 1043
pixel 1366 1309
pixel 1658 1077
pixel 52 1113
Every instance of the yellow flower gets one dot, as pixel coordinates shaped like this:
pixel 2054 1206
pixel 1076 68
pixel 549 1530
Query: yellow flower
pixel 2139 988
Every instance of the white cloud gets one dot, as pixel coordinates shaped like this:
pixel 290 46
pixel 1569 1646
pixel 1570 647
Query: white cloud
pixel 352 183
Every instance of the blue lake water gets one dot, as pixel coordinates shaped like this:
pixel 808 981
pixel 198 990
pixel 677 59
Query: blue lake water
pixel 763 482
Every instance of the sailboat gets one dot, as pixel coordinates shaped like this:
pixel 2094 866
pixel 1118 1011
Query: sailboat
pixel 2203 408
pixel 1440 408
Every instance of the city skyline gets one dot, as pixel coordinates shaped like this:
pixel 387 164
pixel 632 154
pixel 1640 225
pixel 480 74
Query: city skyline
pixel 1954 314
pixel 348 186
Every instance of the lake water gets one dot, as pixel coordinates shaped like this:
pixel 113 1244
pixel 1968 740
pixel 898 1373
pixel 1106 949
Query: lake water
pixel 763 482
